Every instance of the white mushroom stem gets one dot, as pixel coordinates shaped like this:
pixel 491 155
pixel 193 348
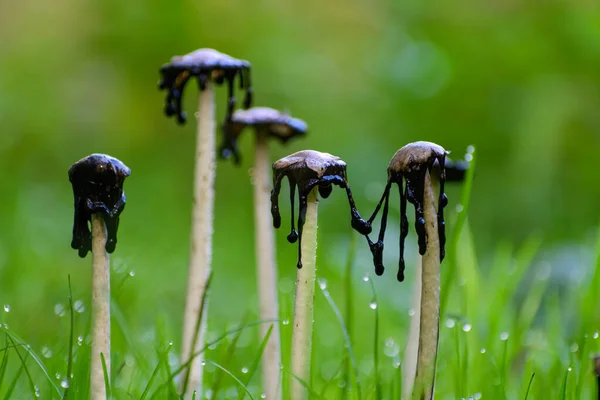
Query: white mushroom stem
pixel 100 309
pixel 409 362
pixel 430 296
pixel 304 301
pixel 266 268
pixel 201 242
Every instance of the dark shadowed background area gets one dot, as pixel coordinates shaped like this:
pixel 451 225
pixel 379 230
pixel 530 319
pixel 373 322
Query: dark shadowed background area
pixel 519 81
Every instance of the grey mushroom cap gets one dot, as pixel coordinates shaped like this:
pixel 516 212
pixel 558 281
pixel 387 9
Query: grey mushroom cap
pixel 208 59
pixel 275 123
pixel 266 121
pixel 310 160
pixel 413 155
pixel 205 65
pixel 307 170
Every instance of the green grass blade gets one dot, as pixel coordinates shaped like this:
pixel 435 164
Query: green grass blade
pixel 235 378
pixel 24 364
pixel 312 394
pixel 529 386
pixel 203 349
pixel 341 369
pixel 563 387
pixel 226 360
pixel 15 338
pixel 196 329
pixel 338 314
pixel 349 308
pixel 106 376
pixel 161 356
pixel 452 262
pixel 71 336
pixel 13 384
pixel 4 364
pixel 257 359
pixel 378 393
pixel 121 323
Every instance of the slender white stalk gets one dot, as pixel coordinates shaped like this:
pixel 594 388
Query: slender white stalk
pixel 266 268
pixel 304 301
pixel 100 308
pixel 201 242
pixel 430 296
pixel 409 361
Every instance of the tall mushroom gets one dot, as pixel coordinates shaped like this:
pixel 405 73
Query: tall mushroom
pixel 313 173
pixel 97 182
pixel 418 168
pixel 209 67
pixel 267 123
pixel 455 172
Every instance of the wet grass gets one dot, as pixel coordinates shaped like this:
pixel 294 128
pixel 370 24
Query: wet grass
pixel 509 330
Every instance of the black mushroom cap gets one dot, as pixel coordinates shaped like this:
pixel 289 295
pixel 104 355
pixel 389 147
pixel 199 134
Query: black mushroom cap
pixel 97 182
pixel 306 170
pixel 275 124
pixel 205 65
pixel 410 164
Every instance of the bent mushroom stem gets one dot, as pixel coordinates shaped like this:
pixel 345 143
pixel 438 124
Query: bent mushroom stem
pixel 430 295
pixel 267 271
pixel 100 308
pixel 201 242
pixel 304 300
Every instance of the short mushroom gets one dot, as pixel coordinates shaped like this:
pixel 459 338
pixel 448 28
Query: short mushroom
pixel 417 169
pixel 97 182
pixel 209 67
pixel 267 123
pixel 313 173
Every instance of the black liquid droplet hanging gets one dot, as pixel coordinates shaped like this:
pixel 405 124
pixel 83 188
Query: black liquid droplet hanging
pixel 403 230
pixel 293 236
pixel 275 201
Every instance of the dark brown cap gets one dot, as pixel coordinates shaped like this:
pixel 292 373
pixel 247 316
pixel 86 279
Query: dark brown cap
pixel 204 64
pixel 97 182
pixel 409 165
pixel 307 170
pixel 597 366
pixel 273 123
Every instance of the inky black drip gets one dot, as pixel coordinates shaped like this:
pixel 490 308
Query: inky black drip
pixel 293 236
pixel 377 247
pixel 176 75
pixel 305 180
pixel 97 182
pixel 403 231
pixel 411 187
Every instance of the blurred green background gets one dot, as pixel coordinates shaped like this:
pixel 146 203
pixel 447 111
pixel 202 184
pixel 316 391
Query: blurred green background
pixel 518 80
